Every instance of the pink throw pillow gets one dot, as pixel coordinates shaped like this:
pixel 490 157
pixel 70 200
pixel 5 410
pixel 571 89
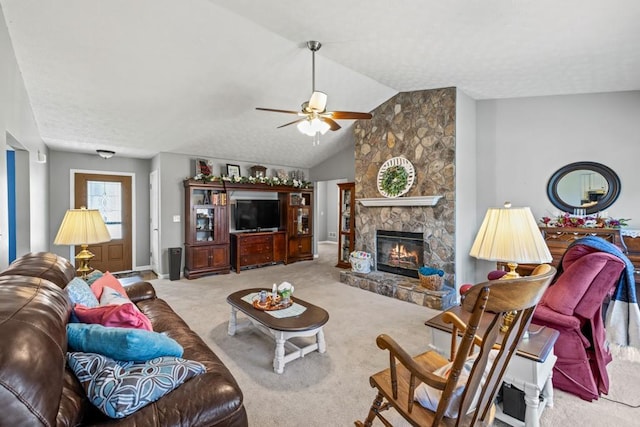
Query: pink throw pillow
pixel 496 274
pixel 121 316
pixel 110 281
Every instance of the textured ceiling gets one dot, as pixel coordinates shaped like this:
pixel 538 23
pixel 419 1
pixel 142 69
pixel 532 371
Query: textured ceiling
pixel 148 76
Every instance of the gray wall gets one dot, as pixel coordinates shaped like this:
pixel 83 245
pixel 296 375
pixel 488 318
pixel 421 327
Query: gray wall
pixel 332 208
pixel 523 141
pixel 341 165
pixel 320 231
pixel 60 185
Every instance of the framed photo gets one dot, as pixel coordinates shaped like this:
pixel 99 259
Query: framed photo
pixel 203 167
pixel 233 170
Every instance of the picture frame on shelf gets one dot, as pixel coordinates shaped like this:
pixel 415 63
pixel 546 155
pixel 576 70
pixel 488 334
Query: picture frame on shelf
pixel 203 167
pixel 233 170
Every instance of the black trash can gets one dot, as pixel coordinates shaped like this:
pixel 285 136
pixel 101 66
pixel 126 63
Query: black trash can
pixel 175 263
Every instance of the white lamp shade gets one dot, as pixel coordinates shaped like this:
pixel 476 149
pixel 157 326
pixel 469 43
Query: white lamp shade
pixel 510 235
pixel 318 101
pixel 82 227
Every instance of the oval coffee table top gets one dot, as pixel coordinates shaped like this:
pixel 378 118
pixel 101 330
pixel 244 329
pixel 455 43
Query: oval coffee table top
pixel 313 317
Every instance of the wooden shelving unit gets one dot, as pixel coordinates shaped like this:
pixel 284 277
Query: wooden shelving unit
pixel 206 229
pixel 299 224
pixel 346 223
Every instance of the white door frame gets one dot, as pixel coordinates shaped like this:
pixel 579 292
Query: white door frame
pixel 154 220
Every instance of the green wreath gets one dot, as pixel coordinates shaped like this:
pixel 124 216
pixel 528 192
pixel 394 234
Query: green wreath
pixel 394 180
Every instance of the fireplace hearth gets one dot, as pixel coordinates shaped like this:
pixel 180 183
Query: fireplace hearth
pixel 399 252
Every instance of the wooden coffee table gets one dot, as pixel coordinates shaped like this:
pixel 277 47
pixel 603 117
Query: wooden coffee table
pixel 306 324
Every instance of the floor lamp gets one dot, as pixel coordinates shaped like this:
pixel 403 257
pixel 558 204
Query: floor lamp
pixel 82 227
pixel 510 235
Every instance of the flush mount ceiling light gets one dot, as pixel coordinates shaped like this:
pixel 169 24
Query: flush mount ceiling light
pixel 105 154
pixel 314 117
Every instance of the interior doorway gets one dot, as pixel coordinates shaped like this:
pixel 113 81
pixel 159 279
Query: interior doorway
pixel 112 196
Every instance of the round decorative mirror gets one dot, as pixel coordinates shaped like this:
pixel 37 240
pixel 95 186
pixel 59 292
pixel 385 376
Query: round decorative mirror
pixel 590 186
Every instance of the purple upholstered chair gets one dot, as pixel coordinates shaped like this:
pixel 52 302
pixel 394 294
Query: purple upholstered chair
pixel 573 306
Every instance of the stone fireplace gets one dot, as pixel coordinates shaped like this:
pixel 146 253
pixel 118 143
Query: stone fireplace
pixel 399 252
pixel 419 126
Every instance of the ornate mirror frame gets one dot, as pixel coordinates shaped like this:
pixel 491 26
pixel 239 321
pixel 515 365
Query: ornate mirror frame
pixel 604 202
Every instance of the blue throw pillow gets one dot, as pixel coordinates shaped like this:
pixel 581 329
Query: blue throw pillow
pixel 121 388
pixel 80 293
pixel 126 344
pixel 93 276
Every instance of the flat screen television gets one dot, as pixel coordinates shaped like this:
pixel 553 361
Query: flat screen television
pixel 257 214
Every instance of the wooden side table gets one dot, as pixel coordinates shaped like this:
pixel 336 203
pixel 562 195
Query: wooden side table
pixel 530 369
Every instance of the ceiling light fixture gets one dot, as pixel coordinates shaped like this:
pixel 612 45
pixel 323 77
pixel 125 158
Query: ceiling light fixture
pixel 105 154
pixel 314 119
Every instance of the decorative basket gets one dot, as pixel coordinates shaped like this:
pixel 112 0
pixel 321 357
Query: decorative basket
pixel 433 282
pixel 361 262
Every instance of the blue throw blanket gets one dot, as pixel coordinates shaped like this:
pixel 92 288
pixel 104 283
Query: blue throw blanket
pixel 623 315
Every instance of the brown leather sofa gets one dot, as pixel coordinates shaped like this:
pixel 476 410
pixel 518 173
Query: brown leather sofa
pixel 38 389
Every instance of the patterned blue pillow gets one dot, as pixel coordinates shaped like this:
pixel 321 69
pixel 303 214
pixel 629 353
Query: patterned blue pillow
pixel 121 388
pixel 80 293
pixel 93 276
pixel 127 344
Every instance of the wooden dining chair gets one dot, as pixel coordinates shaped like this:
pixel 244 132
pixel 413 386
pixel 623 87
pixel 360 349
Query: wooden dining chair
pixel 461 391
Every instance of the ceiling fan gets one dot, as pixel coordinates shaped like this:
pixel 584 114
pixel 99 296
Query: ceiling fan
pixel 314 117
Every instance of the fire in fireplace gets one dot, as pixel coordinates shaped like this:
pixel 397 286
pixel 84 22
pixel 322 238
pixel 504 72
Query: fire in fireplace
pixel 399 252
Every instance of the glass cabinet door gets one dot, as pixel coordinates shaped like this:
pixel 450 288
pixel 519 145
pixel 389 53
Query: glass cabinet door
pixel 205 224
pixel 345 248
pixel 302 220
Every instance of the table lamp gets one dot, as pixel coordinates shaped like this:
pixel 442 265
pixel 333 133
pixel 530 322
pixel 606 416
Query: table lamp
pixel 82 227
pixel 510 235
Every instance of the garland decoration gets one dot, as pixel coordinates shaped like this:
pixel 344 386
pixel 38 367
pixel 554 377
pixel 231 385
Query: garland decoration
pixel 394 180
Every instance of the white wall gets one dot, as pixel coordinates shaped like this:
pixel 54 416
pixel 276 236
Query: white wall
pixel 523 141
pixel 467 222
pixel 16 118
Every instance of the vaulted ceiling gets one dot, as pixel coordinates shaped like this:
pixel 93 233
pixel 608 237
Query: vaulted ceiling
pixel 148 76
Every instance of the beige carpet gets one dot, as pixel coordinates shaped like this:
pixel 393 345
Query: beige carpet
pixel 332 389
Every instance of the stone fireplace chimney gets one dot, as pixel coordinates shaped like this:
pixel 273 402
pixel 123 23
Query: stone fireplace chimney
pixel 419 126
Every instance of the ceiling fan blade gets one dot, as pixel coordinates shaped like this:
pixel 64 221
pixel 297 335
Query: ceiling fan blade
pixel 340 115
pixel 292 123
pixel 332 123
pixel 277 111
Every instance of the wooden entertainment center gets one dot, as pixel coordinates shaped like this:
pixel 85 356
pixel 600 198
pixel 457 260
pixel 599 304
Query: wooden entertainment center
pixel 211 248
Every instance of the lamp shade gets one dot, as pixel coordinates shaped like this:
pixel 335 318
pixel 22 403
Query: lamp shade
pixel 510 235
pixel 82 227
pixel 313 126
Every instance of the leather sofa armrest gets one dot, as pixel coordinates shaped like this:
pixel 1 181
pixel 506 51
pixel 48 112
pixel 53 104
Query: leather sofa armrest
pixel 140 291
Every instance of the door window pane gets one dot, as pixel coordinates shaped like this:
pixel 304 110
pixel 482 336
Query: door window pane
pixel 106 196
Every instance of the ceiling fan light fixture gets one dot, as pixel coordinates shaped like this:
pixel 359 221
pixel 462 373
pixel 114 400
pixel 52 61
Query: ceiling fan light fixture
pixel 313 126
pixel 318 101
pixel 313 118
pixel 105 154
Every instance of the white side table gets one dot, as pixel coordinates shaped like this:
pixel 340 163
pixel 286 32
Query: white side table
pixel 530 369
